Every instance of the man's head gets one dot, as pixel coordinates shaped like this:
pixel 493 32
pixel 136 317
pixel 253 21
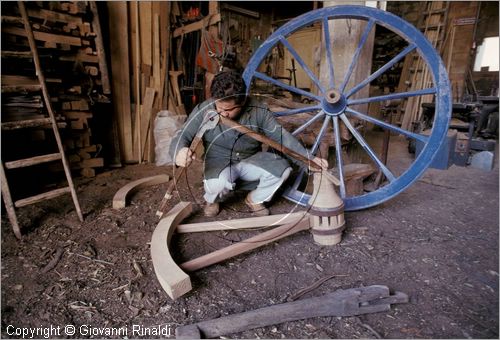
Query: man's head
pixel 229 91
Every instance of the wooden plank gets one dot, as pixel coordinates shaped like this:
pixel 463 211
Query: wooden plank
pixel 20 163
pixel 123 195
pixel 37 122
pixel 80 56
pixel 15 80
pixel 20 88
pixel 212 20
pixel 150 145
pixel 118 23
pixel 42 197
pixel 146 31
pixel 48 37
pixel 172 279
pixel 7 19
pixel 243 223
pixel 17 54
pixel 246 245
pixel 147 109
pixel 53 16
pixel 136 74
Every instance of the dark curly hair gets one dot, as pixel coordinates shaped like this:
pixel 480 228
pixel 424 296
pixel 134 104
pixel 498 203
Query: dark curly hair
pixel 229 85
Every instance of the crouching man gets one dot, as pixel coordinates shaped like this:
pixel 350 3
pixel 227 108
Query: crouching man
pixel 230 155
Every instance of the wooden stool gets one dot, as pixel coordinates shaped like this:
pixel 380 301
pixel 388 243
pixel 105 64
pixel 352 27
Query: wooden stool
pixel 327 212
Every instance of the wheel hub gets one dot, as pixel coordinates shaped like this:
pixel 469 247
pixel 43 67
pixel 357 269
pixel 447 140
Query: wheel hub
pixel 334 103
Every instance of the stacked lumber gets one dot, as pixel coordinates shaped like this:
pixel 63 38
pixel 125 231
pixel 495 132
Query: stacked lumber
pixel 144 76
pixel 139 37
pixel 70 45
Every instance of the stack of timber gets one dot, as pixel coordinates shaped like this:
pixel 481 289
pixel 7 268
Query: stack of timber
pixel 69 40
pixel 145 77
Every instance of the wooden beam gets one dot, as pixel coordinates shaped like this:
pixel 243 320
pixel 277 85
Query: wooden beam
pixel 145 120
pixel 243 223
pixel 246 245
pixel 48 37
pixel 195 26
pixel 172 279
pixel 122 195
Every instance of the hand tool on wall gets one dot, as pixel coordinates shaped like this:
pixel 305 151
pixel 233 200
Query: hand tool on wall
pixel 209 122
pixel 349 302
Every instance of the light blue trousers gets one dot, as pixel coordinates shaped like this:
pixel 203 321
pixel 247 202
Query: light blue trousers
pixel 268 183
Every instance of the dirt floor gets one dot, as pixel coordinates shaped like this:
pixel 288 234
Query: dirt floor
pixel 436 242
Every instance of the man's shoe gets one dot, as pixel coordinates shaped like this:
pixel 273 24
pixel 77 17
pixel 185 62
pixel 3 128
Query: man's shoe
pixel 211 209
pixel 258 209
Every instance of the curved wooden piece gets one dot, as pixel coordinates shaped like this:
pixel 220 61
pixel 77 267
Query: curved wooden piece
pixel 120 198
pixel 173 280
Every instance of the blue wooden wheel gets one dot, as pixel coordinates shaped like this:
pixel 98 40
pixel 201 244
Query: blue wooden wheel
pixel 334 102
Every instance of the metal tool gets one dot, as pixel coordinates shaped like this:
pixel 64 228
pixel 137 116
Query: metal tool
pixel 349 302
pixel 210 121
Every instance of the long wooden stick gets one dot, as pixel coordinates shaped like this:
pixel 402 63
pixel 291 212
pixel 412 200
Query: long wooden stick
pixel 246 245
pixel 243 223
pixel 278 146
pixel 268 141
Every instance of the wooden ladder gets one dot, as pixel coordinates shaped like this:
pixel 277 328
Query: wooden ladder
pixel 432 23
pixel 50 121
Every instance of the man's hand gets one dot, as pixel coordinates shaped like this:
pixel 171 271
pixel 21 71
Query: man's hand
pixel 322 162
pixel 184 157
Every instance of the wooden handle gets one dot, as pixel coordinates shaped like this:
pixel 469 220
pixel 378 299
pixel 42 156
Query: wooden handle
pixel 268 141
